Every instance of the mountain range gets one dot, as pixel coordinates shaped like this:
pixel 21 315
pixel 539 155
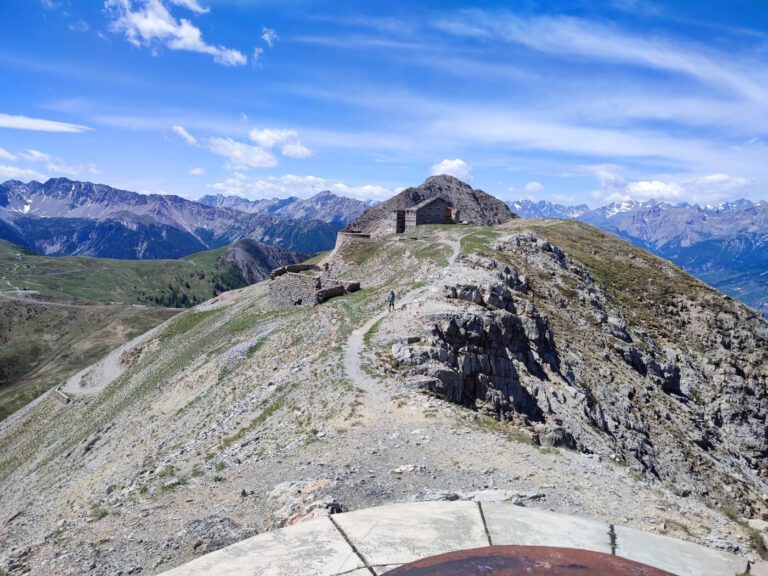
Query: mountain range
pixel 63 217
pixel 725 245
pixel 325 206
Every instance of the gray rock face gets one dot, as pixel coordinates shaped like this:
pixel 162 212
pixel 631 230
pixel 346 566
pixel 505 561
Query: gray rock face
pixel 475 206
pixel 689 409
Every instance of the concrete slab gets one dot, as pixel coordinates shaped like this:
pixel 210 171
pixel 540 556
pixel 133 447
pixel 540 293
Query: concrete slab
pixel 312 548
pixel 677 556
pixel 401 533
pixel 510 524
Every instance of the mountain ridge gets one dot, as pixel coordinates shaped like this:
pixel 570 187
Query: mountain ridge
pixel 66 217
pixel 325 206
pixel 723 245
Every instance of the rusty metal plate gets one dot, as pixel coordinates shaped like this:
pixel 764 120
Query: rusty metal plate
pixel 526 561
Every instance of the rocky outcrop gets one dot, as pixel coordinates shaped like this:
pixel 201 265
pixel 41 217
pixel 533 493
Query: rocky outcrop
pixel 604 384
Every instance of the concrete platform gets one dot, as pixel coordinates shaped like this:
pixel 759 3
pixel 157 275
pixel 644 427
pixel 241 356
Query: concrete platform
pixel 376 540
pixel 314 547
pixel 677 556
pixel 510 524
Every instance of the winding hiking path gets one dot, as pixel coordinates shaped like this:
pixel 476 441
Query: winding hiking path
pixel 354 346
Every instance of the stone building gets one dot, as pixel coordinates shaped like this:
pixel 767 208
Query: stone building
pixel 435 210
pixel 305 285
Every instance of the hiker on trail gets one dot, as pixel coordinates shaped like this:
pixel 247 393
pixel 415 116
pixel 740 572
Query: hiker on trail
pixel 391 300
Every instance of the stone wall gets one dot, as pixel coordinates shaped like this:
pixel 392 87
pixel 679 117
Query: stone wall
pixel 292 289
pixel 437 212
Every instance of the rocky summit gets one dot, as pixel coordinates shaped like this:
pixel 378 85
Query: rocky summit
pixel 541 362
pixel 475 206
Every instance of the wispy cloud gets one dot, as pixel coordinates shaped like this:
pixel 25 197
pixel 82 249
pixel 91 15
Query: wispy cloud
pixel 197 171
pixel 186 136
pixel 269 36
pixel 55 165
pixel 192 5
pixel 578 38
pixel 301 186
pixel 149 23
pixel 5 155
pixel 39 124
pixel 241 156
pixel 17 173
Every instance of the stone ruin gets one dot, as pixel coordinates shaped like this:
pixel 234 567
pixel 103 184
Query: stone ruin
pixel 305 285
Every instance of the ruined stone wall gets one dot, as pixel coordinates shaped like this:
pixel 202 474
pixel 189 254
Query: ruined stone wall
pixel 291 289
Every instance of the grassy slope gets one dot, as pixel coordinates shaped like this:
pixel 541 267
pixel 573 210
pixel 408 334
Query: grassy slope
pixel 101 280
pixel 106 303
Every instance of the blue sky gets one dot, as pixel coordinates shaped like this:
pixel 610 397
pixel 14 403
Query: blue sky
pixel 580 101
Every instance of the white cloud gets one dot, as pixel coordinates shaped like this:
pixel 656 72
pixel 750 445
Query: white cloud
pixel 192 5
pixel 534 187
pixel 50 4
pixel 240 155
pixel 456 167
pixel 270 137
pixel 257 54
pixel 269 36
pixel 56 165
pixel 197 171
pixel 181 131
pixel 295 150
pixel 301 186
pixel 709 189
pixel 149 23
pixel 719 184
pixel 652 190
pixel 39 124
pixel 17 173
pixel 287 140
pixel 5 155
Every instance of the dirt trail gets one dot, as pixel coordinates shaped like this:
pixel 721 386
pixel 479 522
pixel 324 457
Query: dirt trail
pixel 354 346
pixel 7 295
